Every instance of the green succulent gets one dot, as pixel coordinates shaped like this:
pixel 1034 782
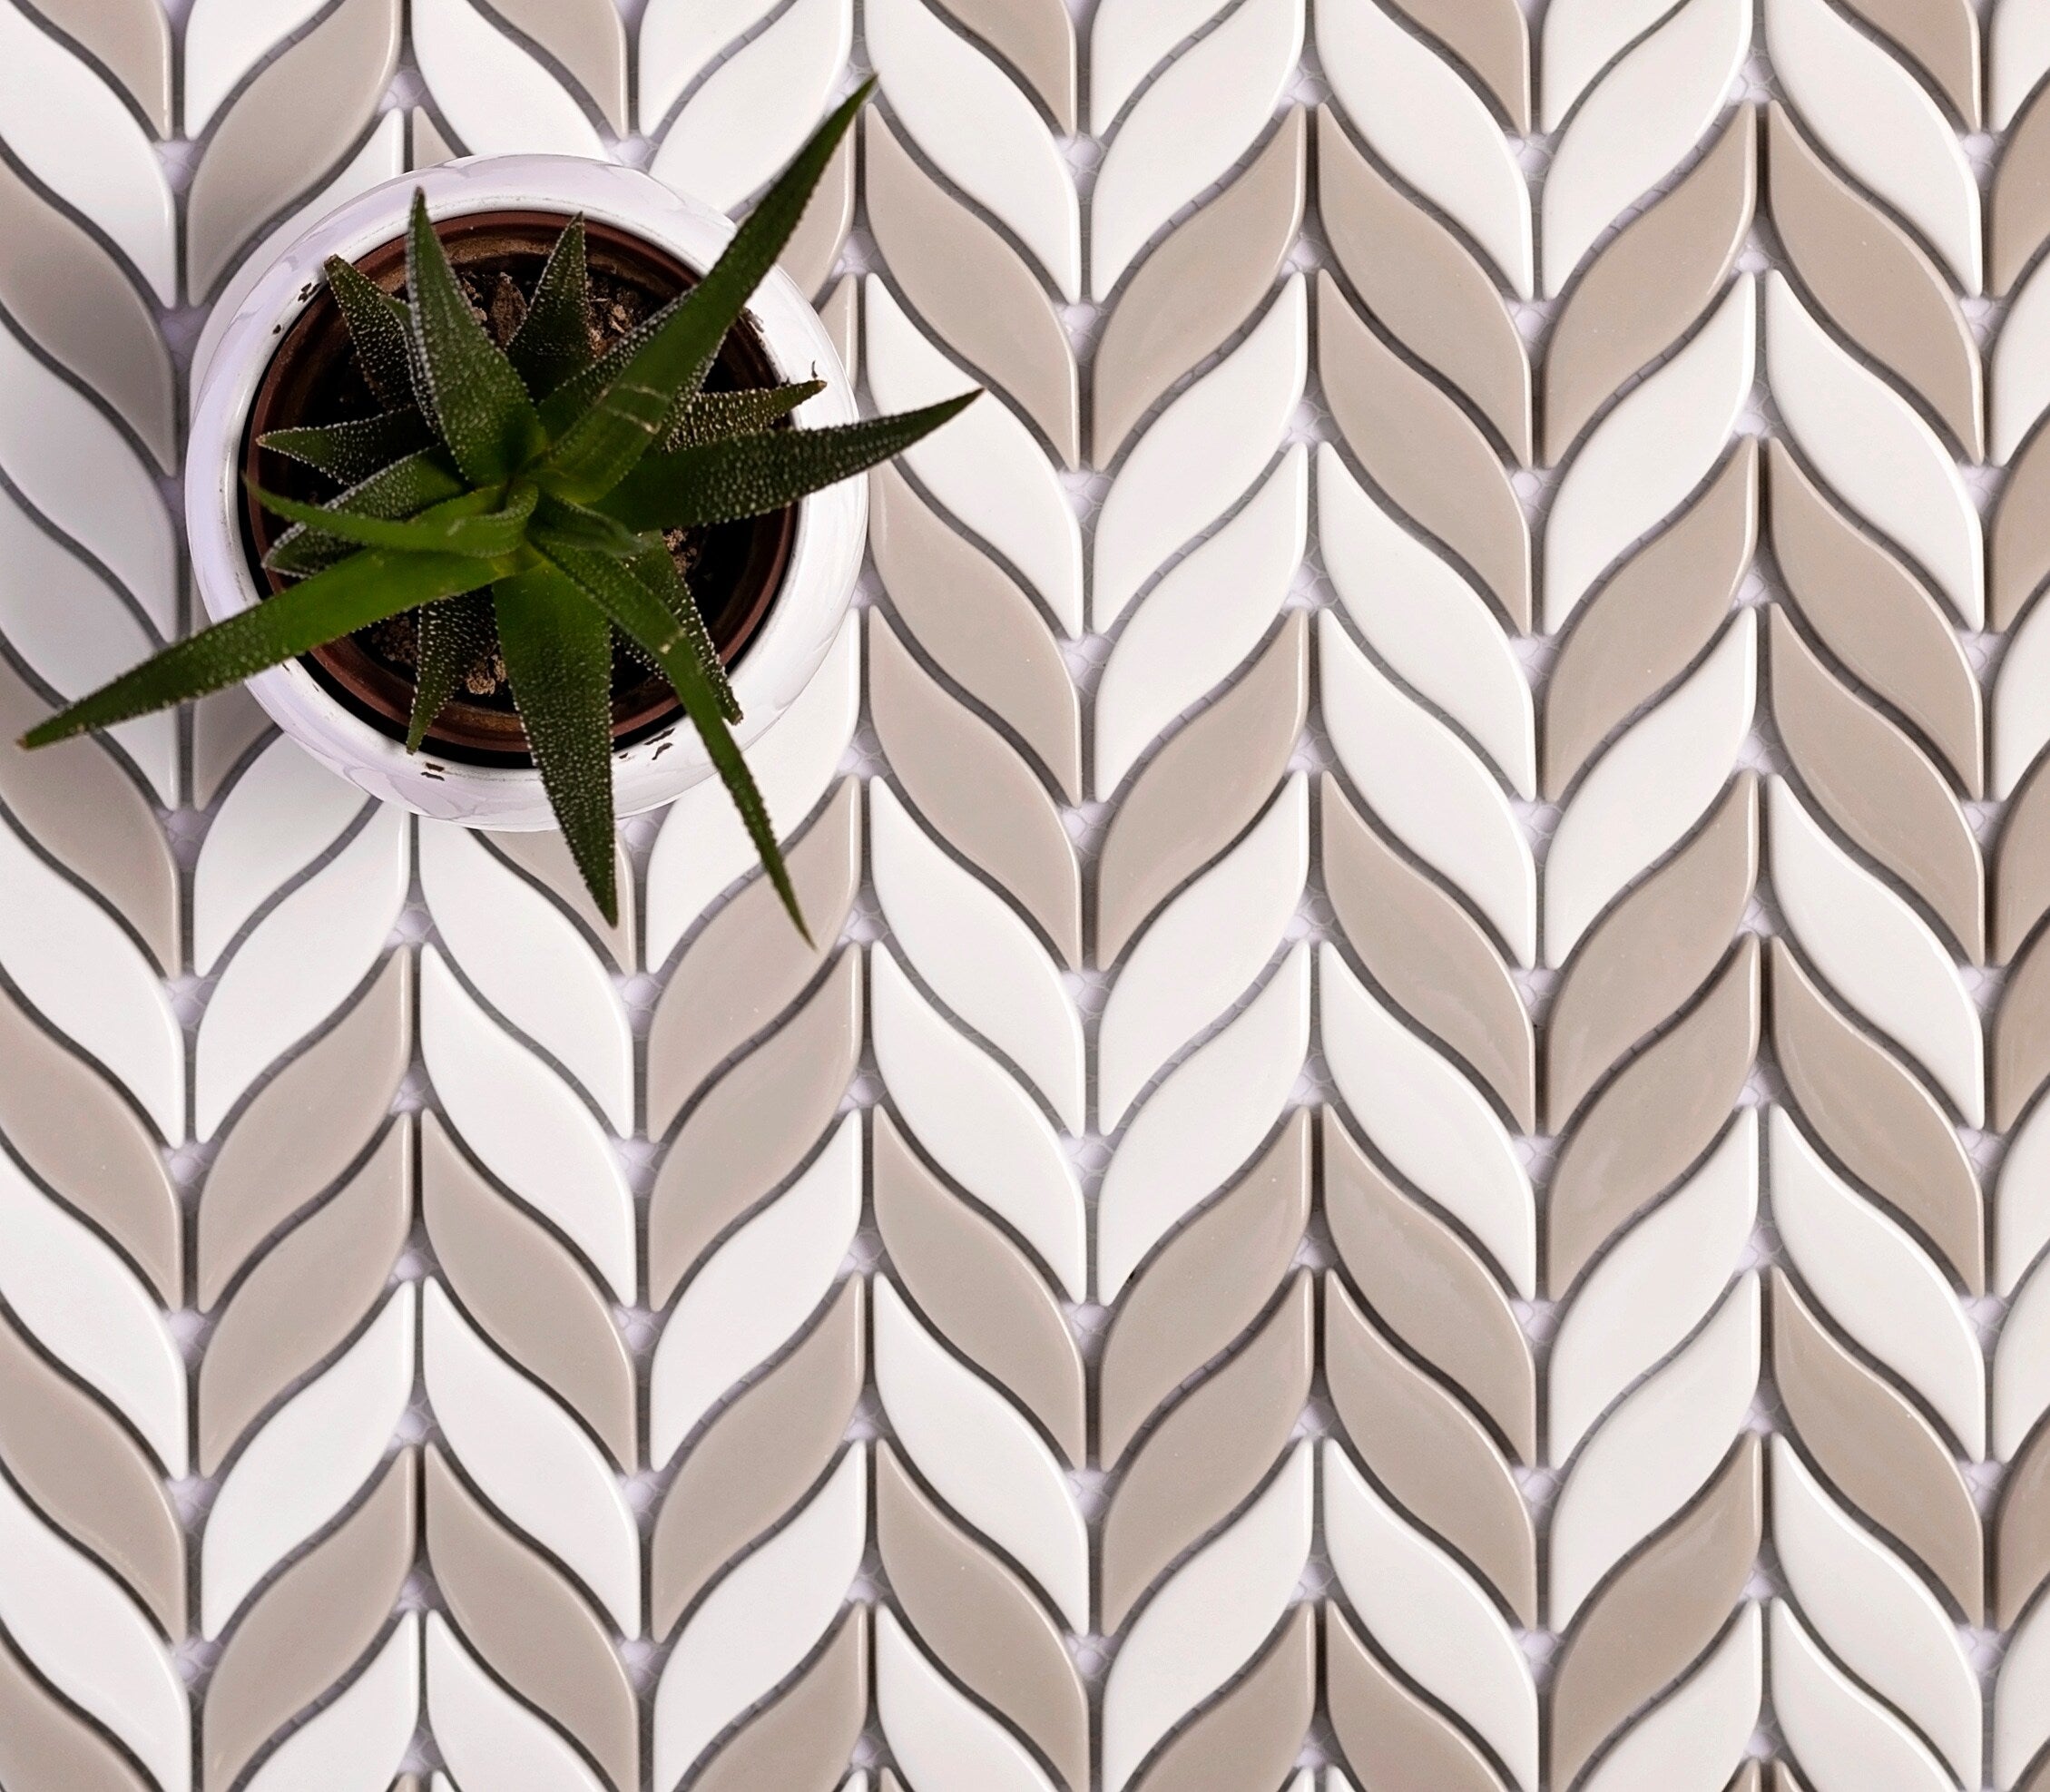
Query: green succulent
pixel 529 486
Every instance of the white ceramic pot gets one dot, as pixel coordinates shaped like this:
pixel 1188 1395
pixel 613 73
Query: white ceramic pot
pixel 786 647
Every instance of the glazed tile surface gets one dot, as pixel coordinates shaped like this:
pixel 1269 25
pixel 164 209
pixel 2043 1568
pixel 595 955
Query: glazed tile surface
pixel 1411 1154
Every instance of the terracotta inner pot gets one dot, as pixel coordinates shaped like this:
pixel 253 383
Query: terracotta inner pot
pixel 738 569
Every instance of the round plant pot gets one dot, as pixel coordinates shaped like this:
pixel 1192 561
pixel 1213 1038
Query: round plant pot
pixel 791 576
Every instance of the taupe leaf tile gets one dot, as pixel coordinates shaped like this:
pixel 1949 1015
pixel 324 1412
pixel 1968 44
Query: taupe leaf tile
pixel 2018 217
pixel 1390 1736
pixel 800 1742
pixel 1251 1736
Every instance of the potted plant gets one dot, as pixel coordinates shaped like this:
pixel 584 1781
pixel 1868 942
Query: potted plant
pixel 495 484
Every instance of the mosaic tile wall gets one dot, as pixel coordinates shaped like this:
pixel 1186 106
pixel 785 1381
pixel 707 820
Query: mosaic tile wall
pixel 1415 1164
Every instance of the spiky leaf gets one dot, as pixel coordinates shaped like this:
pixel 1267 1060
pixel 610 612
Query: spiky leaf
pixel 720 481
pixel 353 450
pixel 405 488
pixel 453 635
pixel 715 417
pixel 460 377
pixel 376 332
pixel 656 568
pixel 634 407
pixel 468 523
pixel 366 588
pixel 641 614
pixel 558 658
pixel 554 341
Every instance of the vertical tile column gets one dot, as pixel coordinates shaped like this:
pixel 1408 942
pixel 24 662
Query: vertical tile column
pixel 984 1546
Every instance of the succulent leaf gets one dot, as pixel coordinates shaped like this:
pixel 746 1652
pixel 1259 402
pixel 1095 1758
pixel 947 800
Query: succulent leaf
pixel 717 416
pixel 467 525
pixel 460 376
pixel 376 332
pixel 559 659
pixel 552 342
pixel 355 450
pixel 720 481
pixel 405 488
pixel 452 635
pixel 365 588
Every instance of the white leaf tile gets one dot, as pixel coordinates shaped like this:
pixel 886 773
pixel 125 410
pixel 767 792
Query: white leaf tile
pixel 1187 130
pixel 704 847
pixel 1204 617
pixel 489 1738
pixel 75 1295
pixel 530 1458
pixel 2021 1367
pixel 2021 1709
pixel 979 130
pixel 1840 1734
pixel 1581 38
pixel 1656 1285
pixel 75 466
pixel 73 630
pixel 1881 124
pixel 2021 1207
pixel 1876 951
pixel 76 965
pixel 75 134
pixel 2020 384
pixel 308 1462
pixel 1427 1616
pixel 679 40
pixel 1873 449
pixel 762 1619
pixel 1206 1622
pixel 1880 1621
pixel 980 1454
pixel 1201 454
pixel 1878 1284
pixel 976 953
pixel 1196 958
pixel 369 1725
pixel 525 1127
pixel 755 1293
pixel 224 40
pixel 283 812
pixel 1649 787
pixel 530 961
pixel 937 1735
pixel 90 1639
pixel 381 156
pixel 737 131
pixel 1656 1451
pixel 1638 123
pixel 2021 702
pixel 1695 1741
pixel 1128 39
pixel 2017 55
pixel 1429 788
pixel 1429 1121
pixel 300 964
pixel 986 465
pixel 1204 1123
pixel 979 1126
pixel 1430 127
pixel 1650 453
pixel 496 96
pixel 1421 615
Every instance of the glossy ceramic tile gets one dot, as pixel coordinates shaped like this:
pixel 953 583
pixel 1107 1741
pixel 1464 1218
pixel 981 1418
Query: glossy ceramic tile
pixel 1411 1149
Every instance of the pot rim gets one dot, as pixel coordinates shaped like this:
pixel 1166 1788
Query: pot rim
pixel 786 649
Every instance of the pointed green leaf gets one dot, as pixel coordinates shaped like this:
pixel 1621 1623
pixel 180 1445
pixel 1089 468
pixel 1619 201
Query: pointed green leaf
pixel 553 342
pixel 354 450
pixel 366 588
pixel 376 332
pixel 559 658
pixel 405 488
pixel 453 635
pixel 716 417
pixel 596 450
pixel 460 376
pixel 463 525
pixel 583 527
pixel 644 616
pixel 719 481
pixel 656 569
